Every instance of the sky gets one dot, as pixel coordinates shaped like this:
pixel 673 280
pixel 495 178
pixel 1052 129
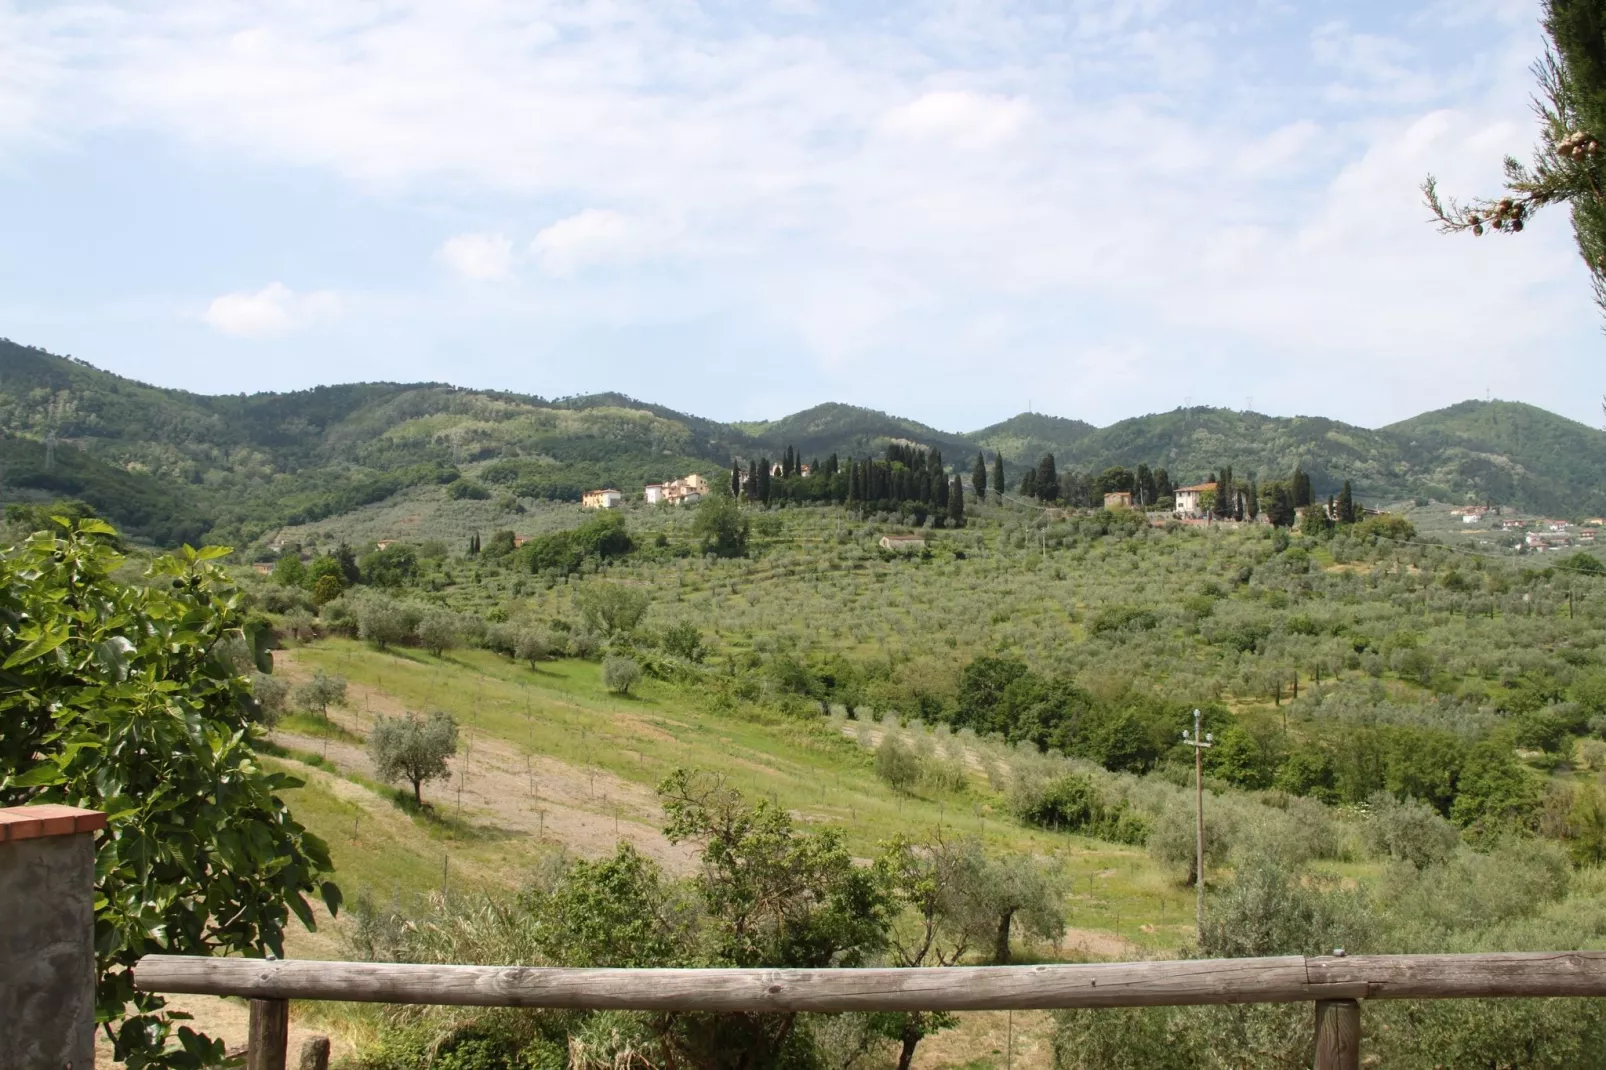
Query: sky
pixel 951 211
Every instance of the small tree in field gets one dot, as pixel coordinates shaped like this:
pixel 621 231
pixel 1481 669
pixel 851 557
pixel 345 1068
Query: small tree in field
pixel 319 693
pixel 437 632
pixel 618 673
pixel 897 764
pixel 414 750
pixel 532 646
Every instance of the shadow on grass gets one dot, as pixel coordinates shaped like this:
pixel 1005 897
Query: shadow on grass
pixel 318 726
pixel 441 822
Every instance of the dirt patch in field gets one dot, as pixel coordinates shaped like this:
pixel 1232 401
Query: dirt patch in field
pixel 496 784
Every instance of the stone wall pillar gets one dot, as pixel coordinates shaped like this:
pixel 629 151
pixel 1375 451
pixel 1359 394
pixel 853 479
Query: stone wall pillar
pixel 47 937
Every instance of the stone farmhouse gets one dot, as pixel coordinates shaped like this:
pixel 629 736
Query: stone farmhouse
pixel 1190 499
pixel 601 499
pixel 685 491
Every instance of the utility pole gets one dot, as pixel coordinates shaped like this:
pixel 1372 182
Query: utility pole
pixel 1199 744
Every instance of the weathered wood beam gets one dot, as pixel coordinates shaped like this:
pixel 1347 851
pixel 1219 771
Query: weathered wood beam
pixel 1284 979
pixel 269 1034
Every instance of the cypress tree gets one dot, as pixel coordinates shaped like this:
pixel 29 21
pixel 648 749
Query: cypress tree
pixel 978 477
pixel 736 478
pixel 956 502
pixel 764 480
pixel 998 475
pixel 1048 480
pixel 1346 505
pixel 1162 485
pixel 752 479
pixel 1301 488
pixel 1028 483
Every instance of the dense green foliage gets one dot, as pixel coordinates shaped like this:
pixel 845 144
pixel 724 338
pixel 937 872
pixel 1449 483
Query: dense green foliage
pixel 135 700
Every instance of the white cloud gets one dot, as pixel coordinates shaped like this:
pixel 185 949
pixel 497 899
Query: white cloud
pixel 480 257
pixel 594 236
pixel 968 119
pixel 1080 180
pixel 273 310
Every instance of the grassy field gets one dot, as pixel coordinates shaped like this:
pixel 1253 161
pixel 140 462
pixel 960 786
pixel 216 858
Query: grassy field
pixel 595 758
pixel 1415 647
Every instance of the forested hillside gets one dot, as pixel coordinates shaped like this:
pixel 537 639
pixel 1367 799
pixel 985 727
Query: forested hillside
pixel 172 466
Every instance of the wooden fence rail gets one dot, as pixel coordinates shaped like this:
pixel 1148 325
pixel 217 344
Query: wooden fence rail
pixel 1334 983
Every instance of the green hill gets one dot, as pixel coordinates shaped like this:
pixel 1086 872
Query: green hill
pixel 1025 438
pixel 1506 451
pixel 170 465
pixel 849 429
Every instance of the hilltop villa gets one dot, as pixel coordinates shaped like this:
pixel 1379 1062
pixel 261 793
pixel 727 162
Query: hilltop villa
pixel 1188 498
pixel 601 499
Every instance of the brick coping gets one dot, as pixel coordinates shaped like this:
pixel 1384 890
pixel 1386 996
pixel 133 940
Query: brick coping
pixel 47 819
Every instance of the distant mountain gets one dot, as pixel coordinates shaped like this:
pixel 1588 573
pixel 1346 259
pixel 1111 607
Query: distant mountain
pixel 1507 451
pixel 172 466
pixel 849 430
pixel 1025 438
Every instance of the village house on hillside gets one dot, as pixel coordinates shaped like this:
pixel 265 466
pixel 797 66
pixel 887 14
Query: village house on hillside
pixel 902 543
pixel 685 491
pixel 1190 499
pixel 607 498
pixel 1118 499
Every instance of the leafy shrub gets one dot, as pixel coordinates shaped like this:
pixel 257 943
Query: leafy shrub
pixel 147 721
pixel 683 640
pixel 460 489
pixel 1409 831
pixel 1072 803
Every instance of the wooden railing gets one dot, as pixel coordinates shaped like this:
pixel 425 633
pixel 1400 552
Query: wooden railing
pixel 1336 984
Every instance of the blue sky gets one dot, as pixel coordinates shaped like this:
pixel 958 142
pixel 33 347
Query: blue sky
pixel 947 210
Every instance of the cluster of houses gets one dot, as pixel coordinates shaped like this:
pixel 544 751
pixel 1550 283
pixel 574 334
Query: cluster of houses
pixel 1558 534
pixel 693 488
pixel 1539 534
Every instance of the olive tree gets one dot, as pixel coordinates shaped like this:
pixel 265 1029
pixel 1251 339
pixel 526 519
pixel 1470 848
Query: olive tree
pixel 532 645
pixel 413 749
pixel 438 632
pixel 619 672
pixel 897 764
pixel 611 608
pixel 271 694
pixel 320 691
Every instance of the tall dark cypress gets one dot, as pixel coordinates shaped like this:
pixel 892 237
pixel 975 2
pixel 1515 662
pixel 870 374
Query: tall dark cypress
pixel 1048 480
pixel 736 478
pixel 764 480
pixel 752 479
pixel 1346 505
pixel 998 475
pixel 956 502
pixel 978 477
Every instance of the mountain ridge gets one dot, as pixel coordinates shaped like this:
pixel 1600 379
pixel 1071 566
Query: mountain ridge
pixel 168 463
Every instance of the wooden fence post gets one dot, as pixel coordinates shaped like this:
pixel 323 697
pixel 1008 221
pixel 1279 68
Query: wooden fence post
pixel 1338 1034
pixel 270 1034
